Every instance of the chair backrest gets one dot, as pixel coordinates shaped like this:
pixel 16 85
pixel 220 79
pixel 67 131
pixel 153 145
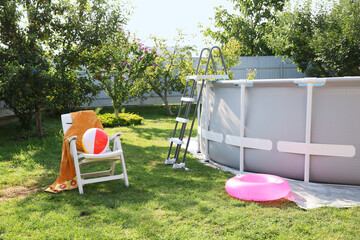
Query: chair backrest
pixel 66 122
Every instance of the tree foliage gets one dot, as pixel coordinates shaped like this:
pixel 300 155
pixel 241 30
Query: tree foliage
pixel 42 47
pixel 322 43
pixel 85 23
pixel 118 63
pixel 172 65
pixel 247 26
pixel 25 30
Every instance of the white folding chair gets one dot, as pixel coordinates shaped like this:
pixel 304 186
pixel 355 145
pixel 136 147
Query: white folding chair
pixel 81 158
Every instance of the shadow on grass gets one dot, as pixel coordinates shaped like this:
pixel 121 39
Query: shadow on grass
pixel 150 133
pixel 175 190
pixel 154 187
pixel 153 131
pixel 19 150
pixel 158 195
pixel 30 154
pixel 145 167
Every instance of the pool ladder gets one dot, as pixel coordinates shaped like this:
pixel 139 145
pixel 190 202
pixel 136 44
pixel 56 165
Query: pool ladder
pixel 188 101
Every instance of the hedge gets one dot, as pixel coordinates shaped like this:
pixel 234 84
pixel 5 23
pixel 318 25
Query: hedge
pixel 124 119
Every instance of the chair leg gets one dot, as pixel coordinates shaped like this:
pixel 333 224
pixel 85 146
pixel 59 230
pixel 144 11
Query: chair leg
pixel 80 187
pixel 77 166
pixel 78 176
pixel 117 146
pixel 112 169
pixel 124 170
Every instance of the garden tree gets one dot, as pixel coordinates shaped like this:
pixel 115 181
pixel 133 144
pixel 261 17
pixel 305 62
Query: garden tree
pixel 172 65
pixel 322 43
pixel 41 46
pixel 25 28
pixel 72 87
pixel 85 23
pixel 248 25
pixel 118 63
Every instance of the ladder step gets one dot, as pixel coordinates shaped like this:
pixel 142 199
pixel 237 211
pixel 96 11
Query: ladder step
pixel 182 120
pixel 187 99
pixel 176 141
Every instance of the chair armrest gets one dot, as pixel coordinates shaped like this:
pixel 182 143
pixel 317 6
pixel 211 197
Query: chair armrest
pixel 117 142
pixel 106 155
pixel 114 136
pixel 72 138
pixel 73 151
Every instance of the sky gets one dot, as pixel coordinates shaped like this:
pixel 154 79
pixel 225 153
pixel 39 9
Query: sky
pixel 162 18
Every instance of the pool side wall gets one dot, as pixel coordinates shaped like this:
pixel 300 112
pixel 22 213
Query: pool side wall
pixel 277 113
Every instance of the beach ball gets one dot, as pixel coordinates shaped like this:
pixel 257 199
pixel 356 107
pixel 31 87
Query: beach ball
pixel 95 141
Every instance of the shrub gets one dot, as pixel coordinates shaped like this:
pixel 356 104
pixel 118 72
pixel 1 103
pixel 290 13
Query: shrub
pixel 124 119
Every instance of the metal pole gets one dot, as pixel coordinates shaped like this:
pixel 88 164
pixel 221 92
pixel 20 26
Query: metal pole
pixel 242 126
pixel 308 131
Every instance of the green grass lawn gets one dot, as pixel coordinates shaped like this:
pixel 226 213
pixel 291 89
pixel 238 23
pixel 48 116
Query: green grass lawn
pixel 161 202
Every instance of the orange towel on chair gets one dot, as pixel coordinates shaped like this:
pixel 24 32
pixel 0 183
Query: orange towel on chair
pixel 82 121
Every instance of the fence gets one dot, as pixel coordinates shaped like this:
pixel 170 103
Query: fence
pixel 267 67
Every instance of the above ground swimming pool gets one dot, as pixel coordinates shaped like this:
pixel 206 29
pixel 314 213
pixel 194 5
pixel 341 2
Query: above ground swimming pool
pixel 304 128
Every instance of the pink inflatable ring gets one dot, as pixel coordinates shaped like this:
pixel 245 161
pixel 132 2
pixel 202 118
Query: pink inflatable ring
pixel 257 187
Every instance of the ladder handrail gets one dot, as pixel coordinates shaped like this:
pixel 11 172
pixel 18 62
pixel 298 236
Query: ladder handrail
pixel 213 63
pixel 185 120
pixel 210 57
pixel 221 57
pixel 198 65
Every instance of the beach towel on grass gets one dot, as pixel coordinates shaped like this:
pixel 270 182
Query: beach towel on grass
pixel 81 121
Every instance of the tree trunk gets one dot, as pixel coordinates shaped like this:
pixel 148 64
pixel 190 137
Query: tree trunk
pixel 164 98
pixel 168 108
pixel 39 131
pixel 116 112
pixel 323 71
